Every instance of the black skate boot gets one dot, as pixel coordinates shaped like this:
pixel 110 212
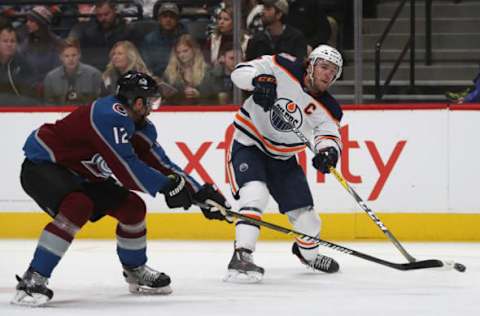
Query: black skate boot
pixel 242 269
pixel 32 289
pixel 321 262
pixel 145 280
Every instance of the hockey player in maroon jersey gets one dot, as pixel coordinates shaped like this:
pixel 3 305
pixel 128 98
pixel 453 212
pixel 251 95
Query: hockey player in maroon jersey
pixel 88 165
pixel 262 158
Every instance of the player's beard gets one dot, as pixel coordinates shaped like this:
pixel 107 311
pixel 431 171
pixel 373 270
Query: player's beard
pixel 140 117
pixel 141 122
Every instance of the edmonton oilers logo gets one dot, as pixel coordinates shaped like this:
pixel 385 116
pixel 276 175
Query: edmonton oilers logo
pixel 291 111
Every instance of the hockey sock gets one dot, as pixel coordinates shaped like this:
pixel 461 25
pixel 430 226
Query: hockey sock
pixel 246 233
pixel 308 249
pixel 74 212
pixel 131 232
pixel 132 244
pixel 253 199
pixel 306 220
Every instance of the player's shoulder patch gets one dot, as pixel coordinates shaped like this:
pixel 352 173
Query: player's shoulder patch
pixel 110 111
pixel 290 64
pixel 120 109
pixel 331 105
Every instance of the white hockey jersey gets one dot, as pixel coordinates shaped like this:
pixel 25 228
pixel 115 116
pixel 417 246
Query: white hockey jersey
pixel 317 117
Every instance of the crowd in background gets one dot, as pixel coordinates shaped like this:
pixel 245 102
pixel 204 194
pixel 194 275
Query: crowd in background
pixel 71 54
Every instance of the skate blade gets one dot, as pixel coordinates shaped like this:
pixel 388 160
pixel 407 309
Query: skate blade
pixel 145 290
pixel 35 300
pixel 235 276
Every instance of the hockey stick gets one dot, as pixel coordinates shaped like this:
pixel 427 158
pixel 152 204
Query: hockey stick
pixel 371 214
pixel 349 189
pixel 424 264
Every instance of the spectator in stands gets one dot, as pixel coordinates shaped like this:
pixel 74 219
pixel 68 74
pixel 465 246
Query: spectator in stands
pixel 131 9
pixel 221 74
pixel 11 11
pixel 188 72
pixel 147 6
pixel 277 36
pixel 68 15
pixel 85 8
pixel 309 17
pixel 98 35
pixel 73 82
pixel 40 46
pixel 4 21
pixel 124 56
pixel 222 36
pixel 467 96
pixel 16 74
pixel 247 7
pixel 158 44
pixel 253 20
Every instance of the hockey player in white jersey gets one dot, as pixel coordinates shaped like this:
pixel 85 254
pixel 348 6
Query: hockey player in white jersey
pixel 262 161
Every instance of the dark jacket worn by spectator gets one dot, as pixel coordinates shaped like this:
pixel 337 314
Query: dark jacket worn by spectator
pixel 291 41
pixel 157 45
pixel 96 39
pixel 277 37
pixel 41 53
pixel 40 45
pixel 474 95
pixel 309 17
pixel 17 82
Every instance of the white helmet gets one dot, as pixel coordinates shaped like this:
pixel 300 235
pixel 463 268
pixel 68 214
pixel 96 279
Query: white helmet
pixel 327 53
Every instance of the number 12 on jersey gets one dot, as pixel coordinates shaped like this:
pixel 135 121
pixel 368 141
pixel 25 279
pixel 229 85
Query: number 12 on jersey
pixel 120 135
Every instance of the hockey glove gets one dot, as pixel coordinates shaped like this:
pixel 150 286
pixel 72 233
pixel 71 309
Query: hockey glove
pixel 177 193
pixel 265 91
pixel 212 203
pixel 324 159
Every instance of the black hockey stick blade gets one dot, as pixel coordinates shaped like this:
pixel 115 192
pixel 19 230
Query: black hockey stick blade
pixel 434 263
pixel 424 264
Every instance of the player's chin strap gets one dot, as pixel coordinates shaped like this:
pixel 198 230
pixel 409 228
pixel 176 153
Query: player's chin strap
pixel 347 187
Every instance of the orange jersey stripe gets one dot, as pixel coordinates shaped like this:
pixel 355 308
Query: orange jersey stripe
pixel 306 243
pixel 254 216
pixel 319 138
pixel 230 173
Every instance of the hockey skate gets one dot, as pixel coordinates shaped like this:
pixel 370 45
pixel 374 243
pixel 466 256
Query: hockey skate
pixel 32 289
pixel 145 280
pixel 321 262
pixel 242 269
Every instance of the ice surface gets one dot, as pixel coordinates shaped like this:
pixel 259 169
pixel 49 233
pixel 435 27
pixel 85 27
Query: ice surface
pixel 88 282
